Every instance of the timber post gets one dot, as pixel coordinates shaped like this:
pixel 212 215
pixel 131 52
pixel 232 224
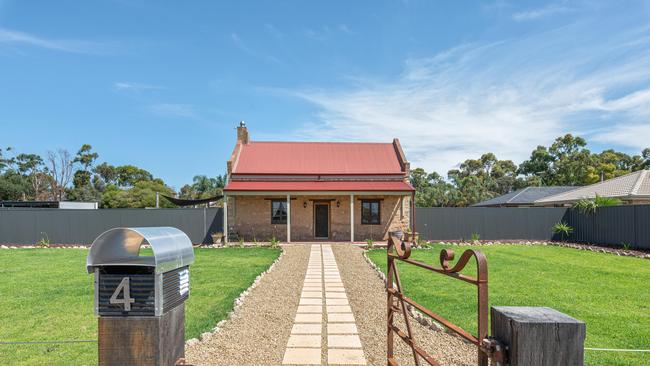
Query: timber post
pixel 538 336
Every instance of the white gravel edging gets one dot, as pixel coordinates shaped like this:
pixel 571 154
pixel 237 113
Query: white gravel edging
pixel 237 303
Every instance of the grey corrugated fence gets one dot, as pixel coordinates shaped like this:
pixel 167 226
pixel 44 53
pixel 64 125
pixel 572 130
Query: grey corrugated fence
pixel 608 225
pixel 28 226
pixel 457 223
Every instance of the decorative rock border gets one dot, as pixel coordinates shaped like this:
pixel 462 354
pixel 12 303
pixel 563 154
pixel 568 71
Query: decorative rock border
pixel 588 247
pixel 237 302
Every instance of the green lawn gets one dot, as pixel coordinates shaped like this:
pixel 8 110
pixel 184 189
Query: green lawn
pixel 46 294
pixel 610 293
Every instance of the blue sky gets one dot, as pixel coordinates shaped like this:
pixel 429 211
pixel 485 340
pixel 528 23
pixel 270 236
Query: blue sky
pixel 162 84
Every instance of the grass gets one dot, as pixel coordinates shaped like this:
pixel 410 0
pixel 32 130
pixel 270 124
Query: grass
pixel 46 294
pixel 607 292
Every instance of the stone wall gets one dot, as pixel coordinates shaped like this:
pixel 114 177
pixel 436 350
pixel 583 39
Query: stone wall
pixel 250 216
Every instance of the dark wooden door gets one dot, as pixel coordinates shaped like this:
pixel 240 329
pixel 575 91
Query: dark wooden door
pixel 321 221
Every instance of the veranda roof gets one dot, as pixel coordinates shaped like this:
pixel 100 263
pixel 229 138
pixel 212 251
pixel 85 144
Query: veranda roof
pixel 319 186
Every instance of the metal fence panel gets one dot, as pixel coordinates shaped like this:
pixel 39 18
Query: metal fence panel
pixel 28 226
pixel 458 223
pixel 616 225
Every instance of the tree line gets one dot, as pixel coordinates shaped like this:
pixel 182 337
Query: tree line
pixel 62 176
pixel 566 162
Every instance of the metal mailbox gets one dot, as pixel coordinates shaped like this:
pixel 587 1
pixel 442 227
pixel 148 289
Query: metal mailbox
pixel 140 295
pixel 129 282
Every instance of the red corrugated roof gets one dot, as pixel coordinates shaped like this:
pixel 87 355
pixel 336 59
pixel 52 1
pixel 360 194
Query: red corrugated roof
pixel 317 158
pixel 351 186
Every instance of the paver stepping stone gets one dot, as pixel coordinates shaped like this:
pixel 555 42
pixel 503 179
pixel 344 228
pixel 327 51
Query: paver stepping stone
pixel 335 295
pixel 338 309
pixel 301 340
pixel 308 318
pixel 311 301
pixel 340 318
pixel 332 301
pixel 310 309
pixel 302 356
pixel 304 328
pixel 345 357
pixel 316 294
pixel 342 328
pixel 343 341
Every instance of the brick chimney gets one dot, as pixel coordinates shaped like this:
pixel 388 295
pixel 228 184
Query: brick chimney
pixel 242 133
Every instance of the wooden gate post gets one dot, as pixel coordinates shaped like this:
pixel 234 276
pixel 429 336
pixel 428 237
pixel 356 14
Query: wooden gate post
pixel 539 336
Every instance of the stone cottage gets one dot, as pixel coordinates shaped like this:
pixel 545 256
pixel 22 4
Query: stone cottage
pixel 313 191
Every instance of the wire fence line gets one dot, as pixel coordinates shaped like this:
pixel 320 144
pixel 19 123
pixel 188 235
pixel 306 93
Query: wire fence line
pixel 49 342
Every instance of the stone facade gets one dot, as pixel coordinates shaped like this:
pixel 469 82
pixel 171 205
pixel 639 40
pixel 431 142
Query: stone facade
pixel 250 217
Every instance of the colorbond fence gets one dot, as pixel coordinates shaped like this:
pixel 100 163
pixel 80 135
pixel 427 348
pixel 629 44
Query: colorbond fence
pixel 28 226
pixel 609 225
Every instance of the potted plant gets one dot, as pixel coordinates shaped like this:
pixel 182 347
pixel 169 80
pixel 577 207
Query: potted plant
pixel 217 237
pixel 411 236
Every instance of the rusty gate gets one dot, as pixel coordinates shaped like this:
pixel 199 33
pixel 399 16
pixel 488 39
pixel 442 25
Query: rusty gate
pixel 400 250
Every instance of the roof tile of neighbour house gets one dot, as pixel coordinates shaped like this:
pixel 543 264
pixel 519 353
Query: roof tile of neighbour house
pixel 524 196
pixel 318 158
pixel 629 186
pixel 330 186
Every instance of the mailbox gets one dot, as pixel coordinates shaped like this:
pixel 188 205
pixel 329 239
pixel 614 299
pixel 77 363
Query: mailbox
pixel 140 294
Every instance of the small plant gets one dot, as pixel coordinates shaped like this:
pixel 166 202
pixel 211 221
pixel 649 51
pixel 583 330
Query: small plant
pixel 626 246
pixel 255 240
pixel 370 244
pixel 476 237
pixel 44 242
pixel 274 242
pixel 590 205
pixel 241 242
pixel 563 229
pixel 422 243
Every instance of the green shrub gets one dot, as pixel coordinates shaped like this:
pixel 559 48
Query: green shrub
pixel 274 242
pixel 370 243
pixel 626 246
pixel 590 205
pixel 563 229
pixel 476 237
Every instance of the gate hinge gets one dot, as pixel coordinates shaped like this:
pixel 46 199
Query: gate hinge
pixel 496 351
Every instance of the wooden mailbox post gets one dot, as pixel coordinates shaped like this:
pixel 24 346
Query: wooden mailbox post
pixel 140 299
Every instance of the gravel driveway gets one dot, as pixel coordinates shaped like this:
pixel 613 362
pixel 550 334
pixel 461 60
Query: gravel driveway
pixel 367 296
pixel 257 333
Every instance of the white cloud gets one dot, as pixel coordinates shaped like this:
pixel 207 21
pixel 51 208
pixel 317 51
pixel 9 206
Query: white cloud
pixel 134 87
pixel 540 12
pixel 9 36
pixel 173 110
pixel 504 97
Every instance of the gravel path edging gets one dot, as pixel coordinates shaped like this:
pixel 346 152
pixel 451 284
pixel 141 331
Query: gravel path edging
pixel 237 302
pixel 414 313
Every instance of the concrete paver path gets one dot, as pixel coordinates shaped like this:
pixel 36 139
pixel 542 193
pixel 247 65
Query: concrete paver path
pixel 324 330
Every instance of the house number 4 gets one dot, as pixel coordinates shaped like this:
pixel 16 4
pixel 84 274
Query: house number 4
pixel 126 299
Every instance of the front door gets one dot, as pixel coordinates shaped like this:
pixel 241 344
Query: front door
pixel 321 220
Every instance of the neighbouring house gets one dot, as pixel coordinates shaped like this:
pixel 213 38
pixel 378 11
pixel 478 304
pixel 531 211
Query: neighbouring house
pixel 633 188
pixel 524 197
pixel 309 191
